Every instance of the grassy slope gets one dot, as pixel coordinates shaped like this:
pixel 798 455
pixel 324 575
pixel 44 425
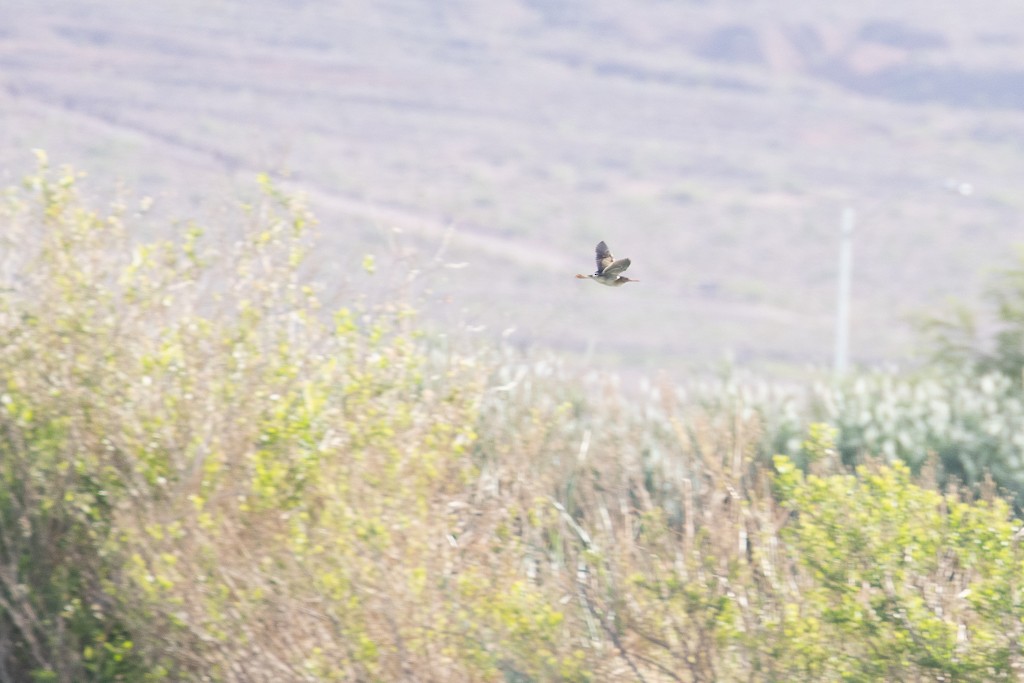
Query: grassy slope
pixel 538 131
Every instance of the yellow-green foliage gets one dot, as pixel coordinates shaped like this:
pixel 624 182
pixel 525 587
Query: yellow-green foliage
pixel 903 580
pixel 235 461
pixel 204 475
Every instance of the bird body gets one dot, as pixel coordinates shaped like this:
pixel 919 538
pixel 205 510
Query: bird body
pixel 608 269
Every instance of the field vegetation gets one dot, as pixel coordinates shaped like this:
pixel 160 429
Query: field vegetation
pixel 208 475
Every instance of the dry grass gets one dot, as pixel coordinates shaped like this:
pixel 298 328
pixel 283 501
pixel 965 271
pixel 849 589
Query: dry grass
pixel 208 477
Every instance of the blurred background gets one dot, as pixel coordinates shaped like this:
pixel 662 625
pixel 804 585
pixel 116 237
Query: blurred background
pixel 489 146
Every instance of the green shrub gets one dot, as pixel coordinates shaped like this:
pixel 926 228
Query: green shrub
pixel 971 426
pixel 903 582
pixel 953 338
pixel 204 475
pixel 60 482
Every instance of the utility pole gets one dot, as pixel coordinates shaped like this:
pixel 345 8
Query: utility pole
pixel 843 302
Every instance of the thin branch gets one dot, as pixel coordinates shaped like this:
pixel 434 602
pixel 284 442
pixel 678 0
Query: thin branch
pixel 612 635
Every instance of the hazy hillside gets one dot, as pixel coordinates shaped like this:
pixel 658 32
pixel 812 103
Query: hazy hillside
pixel 715 143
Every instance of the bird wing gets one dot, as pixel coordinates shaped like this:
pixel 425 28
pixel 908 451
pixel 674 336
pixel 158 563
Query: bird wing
pixel 604 257
pixel 616 267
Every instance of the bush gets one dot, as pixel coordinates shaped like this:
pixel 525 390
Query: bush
pixel 904 582
pixel 953 339
pixel 207 476
pixel 971 426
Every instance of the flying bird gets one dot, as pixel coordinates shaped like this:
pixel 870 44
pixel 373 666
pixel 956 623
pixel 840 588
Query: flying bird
pixel 608 269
